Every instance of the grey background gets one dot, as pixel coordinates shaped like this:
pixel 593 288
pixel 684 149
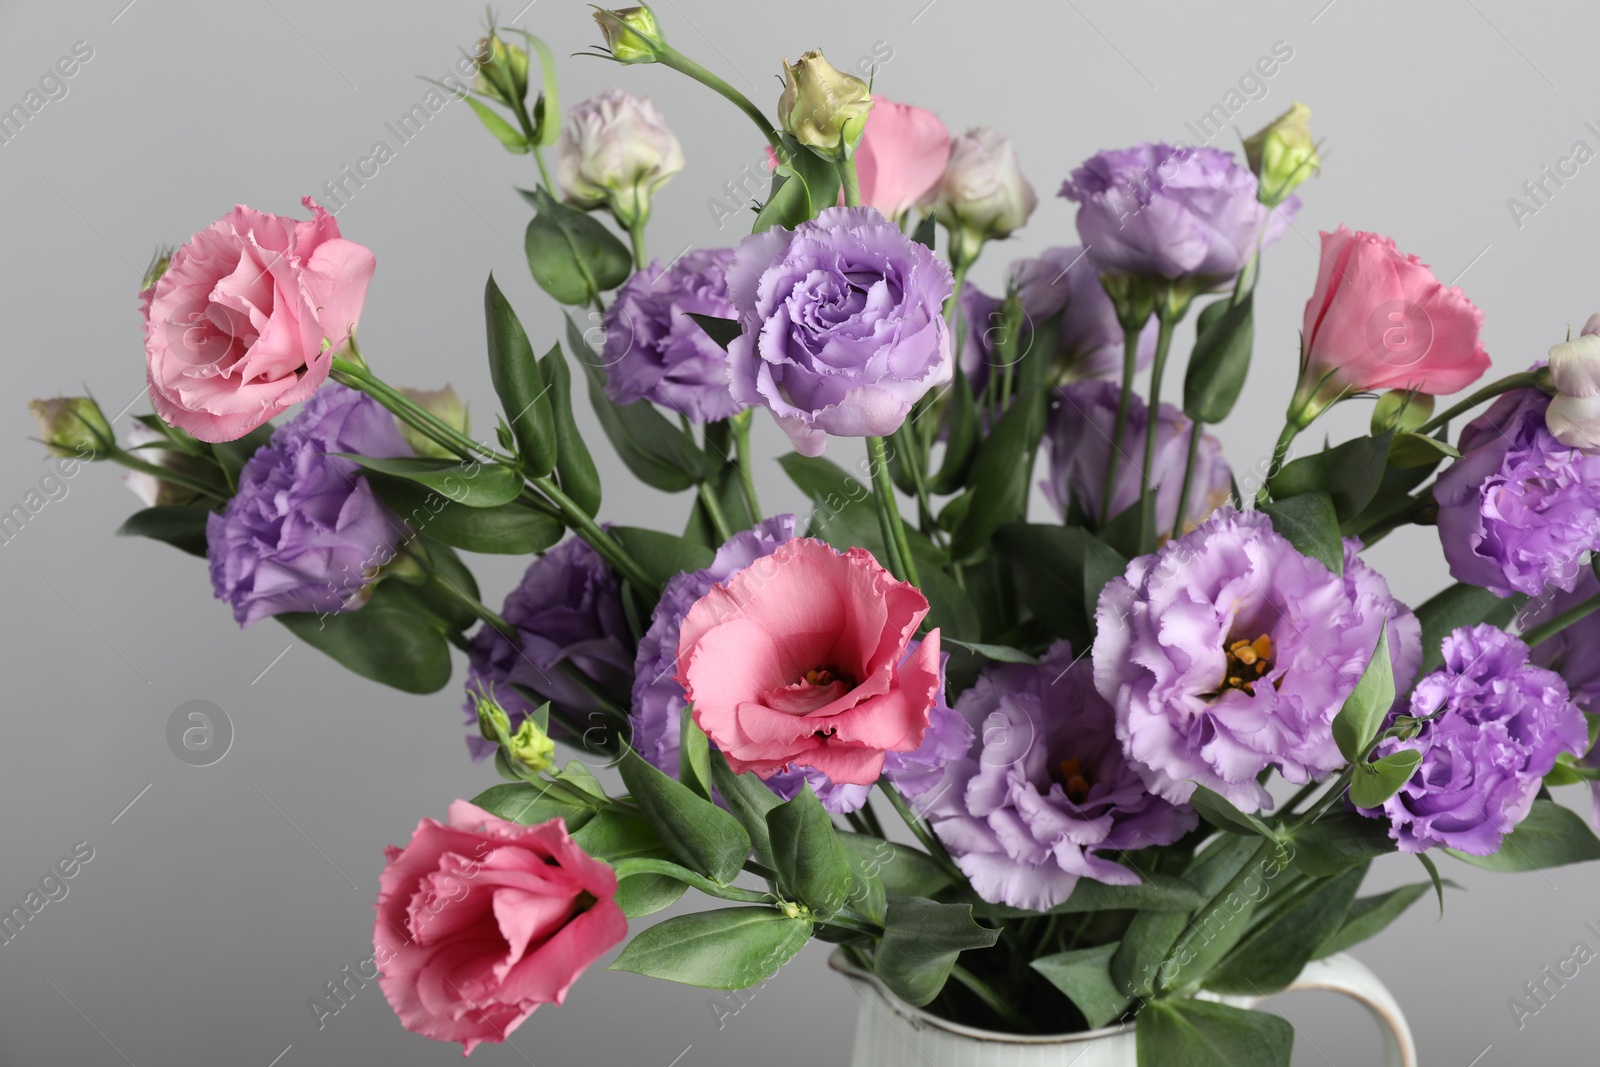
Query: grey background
pixel 226 896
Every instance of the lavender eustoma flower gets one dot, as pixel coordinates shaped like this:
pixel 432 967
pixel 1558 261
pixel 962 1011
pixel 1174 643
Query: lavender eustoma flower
pixel 1079 446
pixel 842 321
pixel 568 614
pixel 1519 509
pixel 1228 652
pixel 1501 724
pixel 1047 789
pixel 1160 212
pixel 305 532
pixel 654 351
pixel 1573 653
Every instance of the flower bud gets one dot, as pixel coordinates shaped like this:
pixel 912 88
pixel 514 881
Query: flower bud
pixel 1283 155
pixel 154 490
pixel 982 194
pixel 502 71
pixel 158 266
pixel 530 749
pixel 616 151
pixel 493 722
pixel 632 34
pixel 822 108
pixel 72 426
pixel 1573 416
pixel 445 406
pixel 1401 410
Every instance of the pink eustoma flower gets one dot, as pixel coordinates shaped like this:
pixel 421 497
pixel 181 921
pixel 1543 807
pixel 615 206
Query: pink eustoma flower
pixel 1379 319
pixel 481 920
pixel 796 661
pixel 246 319
pixel 902 154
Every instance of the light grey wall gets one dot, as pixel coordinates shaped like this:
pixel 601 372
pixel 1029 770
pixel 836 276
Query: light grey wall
pixel 226 896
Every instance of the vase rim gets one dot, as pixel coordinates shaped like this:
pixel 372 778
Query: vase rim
pixel 840 962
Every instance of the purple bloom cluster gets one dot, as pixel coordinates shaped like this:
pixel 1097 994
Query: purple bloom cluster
pixel 655 351
pixel 1156 211
pixel 1047 789
pixel 1573 653
pixel 1500 724
pixel 1519 509
pixel 569 615
pixel 1228 652
pixel 1079 446
pixel 305 532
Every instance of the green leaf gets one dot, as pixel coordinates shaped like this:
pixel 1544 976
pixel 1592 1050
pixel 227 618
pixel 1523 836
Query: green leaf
pixel 645 894
pixel 519 384
pixel 1084 976
pixel 663 556
pixel 529 805
pixel 1339 841
pixel 997 653
pixel 749 799
pixel 926 233
pixel 694 756
pixel 658 453
pixel 575 470
pixel 1419 450
pixel 963 431
pixel 1364 709
pixel 615 834
pixel 1310 525
pixel 697 833
pixel 823 479
pixel 1221 359
pixel 473 485
pixel 1061 571
pixel 722 331
pixel 1001 475
pixel 730 948
pixel 813 867
pixel 1369 916
pixel 183 526
pixel 1457 606
pixel 573 256
pixel 511 529
pixel 1199 1033
pixel 1276 950
pixel 804 184
pixel 920 944
pixel 1435 880
pixel 1551 836
pixel 902 870
pixel 1378 781
pixel 1219 811
pixel 1350 473
pixel 507 134
pixel 390 640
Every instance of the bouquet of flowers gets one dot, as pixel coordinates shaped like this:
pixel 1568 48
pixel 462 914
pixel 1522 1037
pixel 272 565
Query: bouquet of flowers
pixel 1108 768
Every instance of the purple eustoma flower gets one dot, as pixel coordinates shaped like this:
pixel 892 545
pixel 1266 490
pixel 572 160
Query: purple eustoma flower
pixel 655 351
pixel 1047 790
pixel 1162 212
pixel 842 321
pixel 568 614
pixel 305 532
pixel 1519 509
pixel 1500 725
pixel 1573 653
pixel 1228 652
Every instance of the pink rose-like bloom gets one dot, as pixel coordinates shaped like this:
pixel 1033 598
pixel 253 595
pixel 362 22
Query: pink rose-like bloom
pixel 1379 319
pixel 902 154
pixel 235 329
pixel 801 660
pixel 481 920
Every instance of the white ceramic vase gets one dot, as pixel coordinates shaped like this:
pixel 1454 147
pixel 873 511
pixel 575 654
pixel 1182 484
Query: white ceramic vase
pixel 892 1033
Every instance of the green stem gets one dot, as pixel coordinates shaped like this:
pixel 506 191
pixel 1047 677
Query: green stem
pixel 1130 367
pixel 1147 497
pixel 850 182
pixel 480 609
pixel 929 842
pixel 1554 626
pixel 1280 452
pixel 134 463
pixel 417 417
pixel 990 998
pixel 629 867
pixel 601 541
pixel 676 60
pixel 1194 929
pixel 544 171
pixel 1521 380
pixel 719 521
pixel 636 234
pixel 893 526
pixel 745 462
pixel 1180 517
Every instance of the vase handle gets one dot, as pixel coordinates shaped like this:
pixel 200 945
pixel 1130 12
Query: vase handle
pixel 1341 973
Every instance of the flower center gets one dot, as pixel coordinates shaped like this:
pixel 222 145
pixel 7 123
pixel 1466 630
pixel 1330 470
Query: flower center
pixel 820 676
pixel 1247 661
pixel 1069 775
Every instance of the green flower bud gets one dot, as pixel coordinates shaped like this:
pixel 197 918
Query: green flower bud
pixel 822 108
pixel 632 34
pixel 502 71
pixel 530 748
pixel 1283 155
pixel 73 426
pixel 1402 411
pixel 493 722
pixel 158 266
pixel 444 405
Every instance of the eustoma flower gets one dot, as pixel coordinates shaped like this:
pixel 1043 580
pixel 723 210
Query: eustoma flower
pixel 1574 413
pixel 246 319
pixel 569 616
pixel 843 329
pixel 1519 509
pixel 902 153
pixel 1228 652
pixel 655 351
pixel 480 921
pixel 305 532
pixel 1500 724
pixel 982 194
pixel 801 661
pixel 1047 789
pixel 616 150
pixel 1573 653
pixel 1379 319
pixel 1079 446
